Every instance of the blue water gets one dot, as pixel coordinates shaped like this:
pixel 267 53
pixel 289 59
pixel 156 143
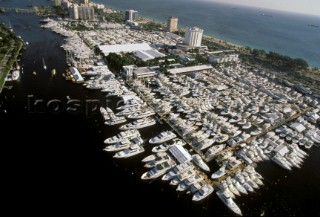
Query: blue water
pixel 285 33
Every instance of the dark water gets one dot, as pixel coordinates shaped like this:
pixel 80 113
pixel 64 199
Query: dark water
pixel 286 33
pixel 54 162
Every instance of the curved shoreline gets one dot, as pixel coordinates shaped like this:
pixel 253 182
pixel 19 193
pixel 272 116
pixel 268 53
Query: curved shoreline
pixel 309 56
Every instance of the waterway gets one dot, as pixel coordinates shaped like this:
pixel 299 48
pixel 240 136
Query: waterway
pixel 53 160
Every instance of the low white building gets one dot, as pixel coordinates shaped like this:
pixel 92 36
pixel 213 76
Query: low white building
pixel 143 72
pixel 142 50
pixel 224 58
pixel 298 127
pixel 132 71
pixel 148 54
pixel 199 68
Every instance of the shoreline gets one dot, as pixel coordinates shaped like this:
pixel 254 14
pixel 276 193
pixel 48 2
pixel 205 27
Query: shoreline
pixel 228 41
pixel 209 37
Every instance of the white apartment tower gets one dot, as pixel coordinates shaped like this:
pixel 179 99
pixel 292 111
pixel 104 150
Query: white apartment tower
pixel 73 12
pixel 193 37
pixel 131 15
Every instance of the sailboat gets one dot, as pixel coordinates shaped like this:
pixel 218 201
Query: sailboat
pixel 44 65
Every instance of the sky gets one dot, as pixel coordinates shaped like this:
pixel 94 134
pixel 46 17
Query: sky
pixel 298 6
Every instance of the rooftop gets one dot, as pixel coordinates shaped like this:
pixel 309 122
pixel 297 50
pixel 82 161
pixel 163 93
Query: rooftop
pixel 190 69
pixel 118 48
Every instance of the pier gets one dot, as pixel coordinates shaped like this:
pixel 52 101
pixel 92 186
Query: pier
pixel 275 126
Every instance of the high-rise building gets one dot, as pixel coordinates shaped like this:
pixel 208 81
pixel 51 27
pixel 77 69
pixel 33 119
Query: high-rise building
pixel 131 15
pixel 85 12
pixel 73 12
pixel 66 4
pixel 82 12
pixel 86 2
pixel 193 37
pixel 172 24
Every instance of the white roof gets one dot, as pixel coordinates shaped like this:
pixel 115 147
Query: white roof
pixel 180 153
pixel 281 149
pixel 148 54
pixel 118 48
pixel 298 127
pixel 190 69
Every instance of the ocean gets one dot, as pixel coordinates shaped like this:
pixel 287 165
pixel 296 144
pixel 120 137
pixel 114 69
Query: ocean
pixel 54 163
pixel 282 32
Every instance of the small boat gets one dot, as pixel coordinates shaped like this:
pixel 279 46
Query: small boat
pixel 44 64
pixel 53 72
pixel 219 173
pixel 15 75
pixel 34 73
pixel 133 150
pixel 199 162
pixel 227 200
pixel 205 191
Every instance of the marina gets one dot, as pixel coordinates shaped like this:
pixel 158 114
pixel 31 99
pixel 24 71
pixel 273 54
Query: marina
pixel 217 130
pixel 222 114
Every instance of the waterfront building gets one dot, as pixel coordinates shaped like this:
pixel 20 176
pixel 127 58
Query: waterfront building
pixel 193 37
pixel 223 58
pixel 131 15
pixel 128 70
pixel 85 12
pixel 85 2
pixel 172 24
pixel 144 72
pixel 73 12
pixel 190 69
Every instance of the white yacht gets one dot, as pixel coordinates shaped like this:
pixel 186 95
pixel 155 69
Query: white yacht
pixel 141 114
pixel 157 171
pixel 131 103
pixel 219 173
pixel 104 114
pixel 221 138
pixel 228 201
pixel 115 120
pixel 123 135
pixel 239 187
pixel 165 146
pixel 189 181
pixel 182 176
pixel 133 150
pixel 157 161
pixel 204 192
pixel 200 163
pixel 214 150
pixel 129 111
pixel 204 144
pixel 138 124
pixel 281 161
pixel 15 75
pixel 124 144
pixel 153 156
pixel 180 168
pixel 163 137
